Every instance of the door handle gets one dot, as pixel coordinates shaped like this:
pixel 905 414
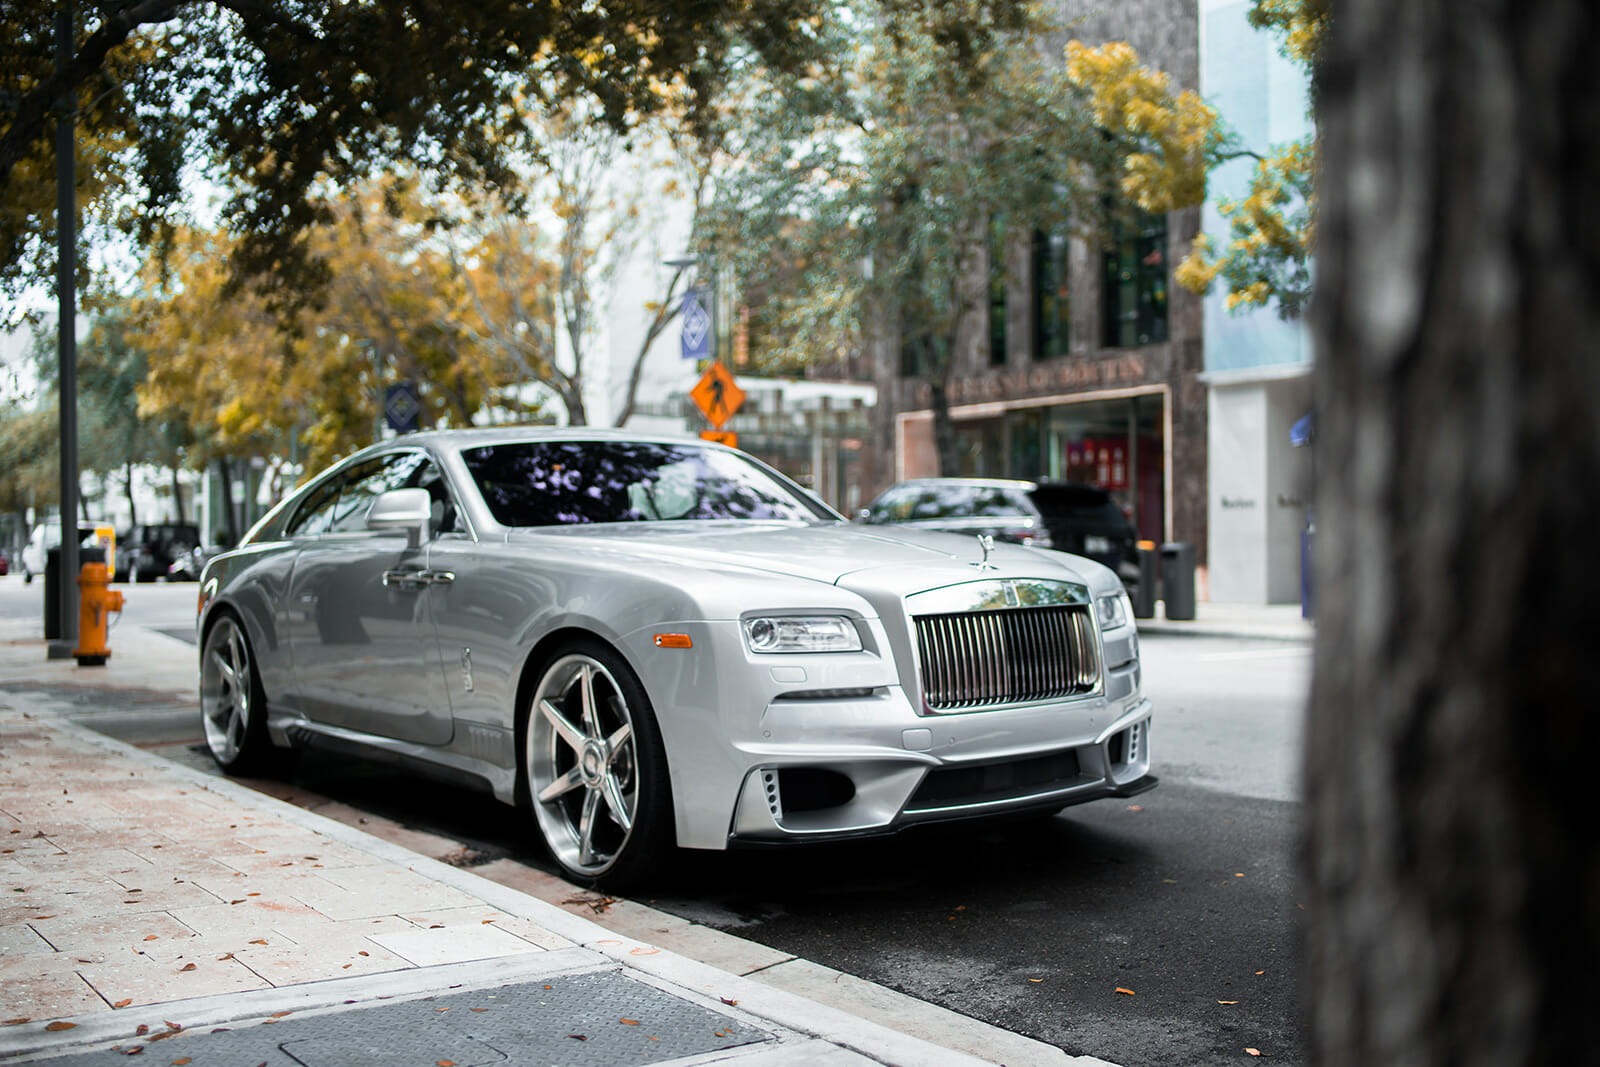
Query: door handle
pixel 414 580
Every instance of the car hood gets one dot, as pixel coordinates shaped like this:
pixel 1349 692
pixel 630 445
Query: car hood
pixel 838 554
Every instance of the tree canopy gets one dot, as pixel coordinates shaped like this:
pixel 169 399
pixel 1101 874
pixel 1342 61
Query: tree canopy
pixel 281 103
pixel 877 198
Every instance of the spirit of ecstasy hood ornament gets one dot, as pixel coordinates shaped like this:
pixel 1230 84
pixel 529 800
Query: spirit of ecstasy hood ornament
pixel 986 542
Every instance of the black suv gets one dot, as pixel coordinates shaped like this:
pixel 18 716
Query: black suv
pixel 1080 519
pixel 146 552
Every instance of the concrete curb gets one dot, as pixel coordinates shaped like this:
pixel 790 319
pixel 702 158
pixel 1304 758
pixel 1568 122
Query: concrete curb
pixel 795 1012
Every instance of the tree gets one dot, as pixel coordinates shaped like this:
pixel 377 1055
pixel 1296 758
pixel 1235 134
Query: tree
pixel 277 98
pixel 396 309
pixel 874 206
pixel 1454 869
pixel 1266 260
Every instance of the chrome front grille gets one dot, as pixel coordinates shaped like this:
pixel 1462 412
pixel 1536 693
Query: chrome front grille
pixel 987 658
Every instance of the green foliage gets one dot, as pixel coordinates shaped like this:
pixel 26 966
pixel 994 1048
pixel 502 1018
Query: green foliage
pixel 865 191
pixel 285 103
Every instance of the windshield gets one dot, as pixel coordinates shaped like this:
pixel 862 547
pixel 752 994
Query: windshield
pixel 566 483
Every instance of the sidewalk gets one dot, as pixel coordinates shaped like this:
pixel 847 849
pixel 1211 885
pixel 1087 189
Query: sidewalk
pixel 148 907
pixel 1270 622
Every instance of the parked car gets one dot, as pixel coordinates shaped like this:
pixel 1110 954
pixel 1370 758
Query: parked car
pixel 651 642
pixel 147 551
pixel 1081 519
pixel 5 563
pixel 999 507
pixel 47 535
pixel 187 567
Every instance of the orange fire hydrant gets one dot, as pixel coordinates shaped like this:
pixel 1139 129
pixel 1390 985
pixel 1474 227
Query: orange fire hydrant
pixel 96 599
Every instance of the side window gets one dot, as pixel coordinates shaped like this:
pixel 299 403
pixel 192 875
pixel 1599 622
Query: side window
pixel 314 512
pixel 340 504
pixel 891 507
pixel 444 518
pixel 366 483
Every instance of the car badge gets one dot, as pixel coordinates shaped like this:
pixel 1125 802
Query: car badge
pixel 986 542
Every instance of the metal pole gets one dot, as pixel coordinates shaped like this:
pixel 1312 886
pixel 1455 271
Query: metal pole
pixel 66 345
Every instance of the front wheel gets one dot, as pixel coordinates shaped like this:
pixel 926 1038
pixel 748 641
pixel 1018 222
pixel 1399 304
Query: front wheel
pixel 233 706
pixel 597 770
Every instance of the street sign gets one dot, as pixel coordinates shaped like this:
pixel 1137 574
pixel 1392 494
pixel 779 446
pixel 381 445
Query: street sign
pixel 717 395
pixel 721 437
pixel 696 336
pixel 401 407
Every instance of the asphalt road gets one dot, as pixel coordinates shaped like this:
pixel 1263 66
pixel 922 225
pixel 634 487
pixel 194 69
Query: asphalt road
pixel 1157 931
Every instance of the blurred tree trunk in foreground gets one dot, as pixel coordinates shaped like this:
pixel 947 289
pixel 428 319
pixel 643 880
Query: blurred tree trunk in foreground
pixel 1453 857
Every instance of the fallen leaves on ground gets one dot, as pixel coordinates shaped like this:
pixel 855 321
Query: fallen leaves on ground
pixel 1253 1051
pixel 1125 991
pixel 123 1003
pixel 629 1022
pixel 59 1025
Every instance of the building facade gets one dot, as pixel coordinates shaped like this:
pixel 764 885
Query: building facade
pixel 1257 365
pixel 1085 362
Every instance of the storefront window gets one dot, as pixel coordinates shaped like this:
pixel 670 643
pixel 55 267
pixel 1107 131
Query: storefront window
pixel 1116 445
pixel 1136 283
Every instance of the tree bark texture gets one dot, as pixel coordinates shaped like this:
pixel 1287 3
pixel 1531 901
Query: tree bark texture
pixel 1453 756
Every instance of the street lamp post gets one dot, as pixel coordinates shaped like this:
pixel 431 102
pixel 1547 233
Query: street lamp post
pixel 66 348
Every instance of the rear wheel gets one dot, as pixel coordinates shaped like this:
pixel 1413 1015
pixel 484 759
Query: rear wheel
pixel 597 771
pixel 233 707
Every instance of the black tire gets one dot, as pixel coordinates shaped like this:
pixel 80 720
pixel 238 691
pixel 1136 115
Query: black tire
pixel 596 770
pixel 233 705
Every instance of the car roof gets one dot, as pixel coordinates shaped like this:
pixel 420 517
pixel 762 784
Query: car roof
pixel 471 437
pixel 973 483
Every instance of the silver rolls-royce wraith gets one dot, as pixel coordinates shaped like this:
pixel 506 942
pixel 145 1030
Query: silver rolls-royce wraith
pixel 658 642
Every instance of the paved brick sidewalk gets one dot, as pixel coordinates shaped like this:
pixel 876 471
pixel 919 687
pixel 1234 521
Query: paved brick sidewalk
pixel 156 908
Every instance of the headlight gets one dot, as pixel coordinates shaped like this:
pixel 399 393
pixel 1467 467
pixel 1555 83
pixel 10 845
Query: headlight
pixel 801 633
pixel 1114 610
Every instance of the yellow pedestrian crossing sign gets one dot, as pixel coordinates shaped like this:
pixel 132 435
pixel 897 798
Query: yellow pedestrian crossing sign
pixel 717 395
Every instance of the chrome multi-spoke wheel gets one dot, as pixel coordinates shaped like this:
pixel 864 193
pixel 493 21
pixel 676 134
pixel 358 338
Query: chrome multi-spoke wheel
pixel 595 772
pixel 231 707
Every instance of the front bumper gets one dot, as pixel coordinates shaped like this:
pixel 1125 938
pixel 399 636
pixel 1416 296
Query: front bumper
pixel 808 792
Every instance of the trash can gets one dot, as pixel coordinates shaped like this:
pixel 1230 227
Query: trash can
pixel 1143 595
pixel 52 584
pixel 1177 579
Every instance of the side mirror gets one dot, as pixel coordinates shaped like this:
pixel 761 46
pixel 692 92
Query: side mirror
pixel 402 509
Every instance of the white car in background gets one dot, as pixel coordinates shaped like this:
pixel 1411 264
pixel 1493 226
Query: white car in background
pixel 47 535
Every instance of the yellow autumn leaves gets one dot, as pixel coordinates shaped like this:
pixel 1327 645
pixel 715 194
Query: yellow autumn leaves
pixel 1176 131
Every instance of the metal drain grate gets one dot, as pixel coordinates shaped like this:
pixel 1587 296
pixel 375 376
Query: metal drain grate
pixel 593 1019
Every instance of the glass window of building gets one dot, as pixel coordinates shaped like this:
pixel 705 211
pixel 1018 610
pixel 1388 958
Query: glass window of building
pixel 1136 282
pixel 997 292
pixel 1052 306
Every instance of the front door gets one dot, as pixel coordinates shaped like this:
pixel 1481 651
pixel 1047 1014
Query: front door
pixel 359 629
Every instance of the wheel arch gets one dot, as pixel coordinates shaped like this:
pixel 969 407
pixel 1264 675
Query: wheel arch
pixel 538 657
